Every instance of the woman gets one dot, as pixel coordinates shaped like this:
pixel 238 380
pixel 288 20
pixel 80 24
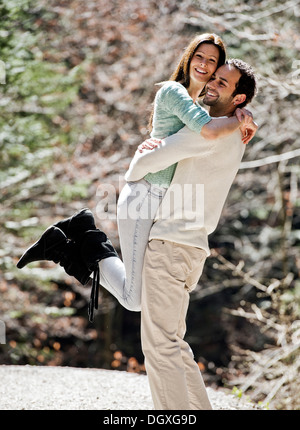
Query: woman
pixel 79 246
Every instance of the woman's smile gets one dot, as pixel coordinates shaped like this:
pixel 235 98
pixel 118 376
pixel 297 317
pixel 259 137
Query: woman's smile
pixel 204 62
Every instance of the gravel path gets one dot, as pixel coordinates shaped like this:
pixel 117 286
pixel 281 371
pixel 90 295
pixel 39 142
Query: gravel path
pixel 67 388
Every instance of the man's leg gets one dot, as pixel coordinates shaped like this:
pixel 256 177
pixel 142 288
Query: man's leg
pixel 196 389
pixel 164 306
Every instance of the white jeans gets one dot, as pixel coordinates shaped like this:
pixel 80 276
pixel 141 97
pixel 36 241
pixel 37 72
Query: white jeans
pixel 137 205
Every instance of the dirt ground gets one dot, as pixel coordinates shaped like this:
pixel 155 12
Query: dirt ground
pixel 68 388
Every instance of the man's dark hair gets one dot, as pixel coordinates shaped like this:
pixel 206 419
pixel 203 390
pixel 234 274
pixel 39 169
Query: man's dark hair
pixel 247 83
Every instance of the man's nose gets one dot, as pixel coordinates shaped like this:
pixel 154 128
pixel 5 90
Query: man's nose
pixel 211 84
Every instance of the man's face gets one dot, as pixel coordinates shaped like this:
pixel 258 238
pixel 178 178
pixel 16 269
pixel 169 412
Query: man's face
pixel 221 87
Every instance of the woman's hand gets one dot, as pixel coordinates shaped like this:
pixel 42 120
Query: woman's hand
pixel 248 132
pixel 244 115
pixel 149 144
pixel 248 126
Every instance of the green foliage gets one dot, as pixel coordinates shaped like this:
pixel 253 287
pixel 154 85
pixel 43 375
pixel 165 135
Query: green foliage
pixel 238 393
pixel 69 192
pixel 35 94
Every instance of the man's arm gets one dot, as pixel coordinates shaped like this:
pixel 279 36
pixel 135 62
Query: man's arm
pixel 183 144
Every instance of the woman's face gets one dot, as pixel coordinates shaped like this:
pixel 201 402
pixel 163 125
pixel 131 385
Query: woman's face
pixel 204 63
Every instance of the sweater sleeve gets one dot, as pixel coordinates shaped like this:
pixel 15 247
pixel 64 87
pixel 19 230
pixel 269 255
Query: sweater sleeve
pixel 183 144
pixel 177 101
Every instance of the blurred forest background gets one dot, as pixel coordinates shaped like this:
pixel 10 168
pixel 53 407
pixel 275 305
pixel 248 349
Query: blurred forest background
pixel 75 98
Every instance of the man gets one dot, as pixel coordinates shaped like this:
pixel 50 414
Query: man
pixel 178 242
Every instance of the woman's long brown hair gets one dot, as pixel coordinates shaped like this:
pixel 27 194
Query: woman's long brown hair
pixel 181 73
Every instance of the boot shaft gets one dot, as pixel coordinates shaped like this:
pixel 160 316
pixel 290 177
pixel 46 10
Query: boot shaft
pixel 75 226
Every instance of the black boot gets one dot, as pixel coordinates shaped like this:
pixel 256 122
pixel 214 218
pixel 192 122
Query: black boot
pixel 49 247
pixel 54 246
pixel 95 246
pixel 73 264
pixel 71 228
pixel 75 226
pixel 79 259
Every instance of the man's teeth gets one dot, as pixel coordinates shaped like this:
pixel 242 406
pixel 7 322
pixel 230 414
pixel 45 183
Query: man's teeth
pixel 210 94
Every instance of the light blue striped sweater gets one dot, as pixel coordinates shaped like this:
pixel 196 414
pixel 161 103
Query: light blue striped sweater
pixel 173 109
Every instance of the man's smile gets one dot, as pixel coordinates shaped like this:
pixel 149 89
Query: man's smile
pixel 209 93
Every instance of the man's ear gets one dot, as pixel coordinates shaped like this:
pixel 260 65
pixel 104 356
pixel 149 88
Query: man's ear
pixel 239 99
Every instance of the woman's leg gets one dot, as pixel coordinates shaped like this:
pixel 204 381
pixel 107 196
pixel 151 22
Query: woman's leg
pixel 137 206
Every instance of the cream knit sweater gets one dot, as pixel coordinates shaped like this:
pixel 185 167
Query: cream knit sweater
pixel 206 169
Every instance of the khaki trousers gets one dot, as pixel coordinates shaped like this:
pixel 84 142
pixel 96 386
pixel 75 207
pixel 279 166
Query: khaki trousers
pixel 170 272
